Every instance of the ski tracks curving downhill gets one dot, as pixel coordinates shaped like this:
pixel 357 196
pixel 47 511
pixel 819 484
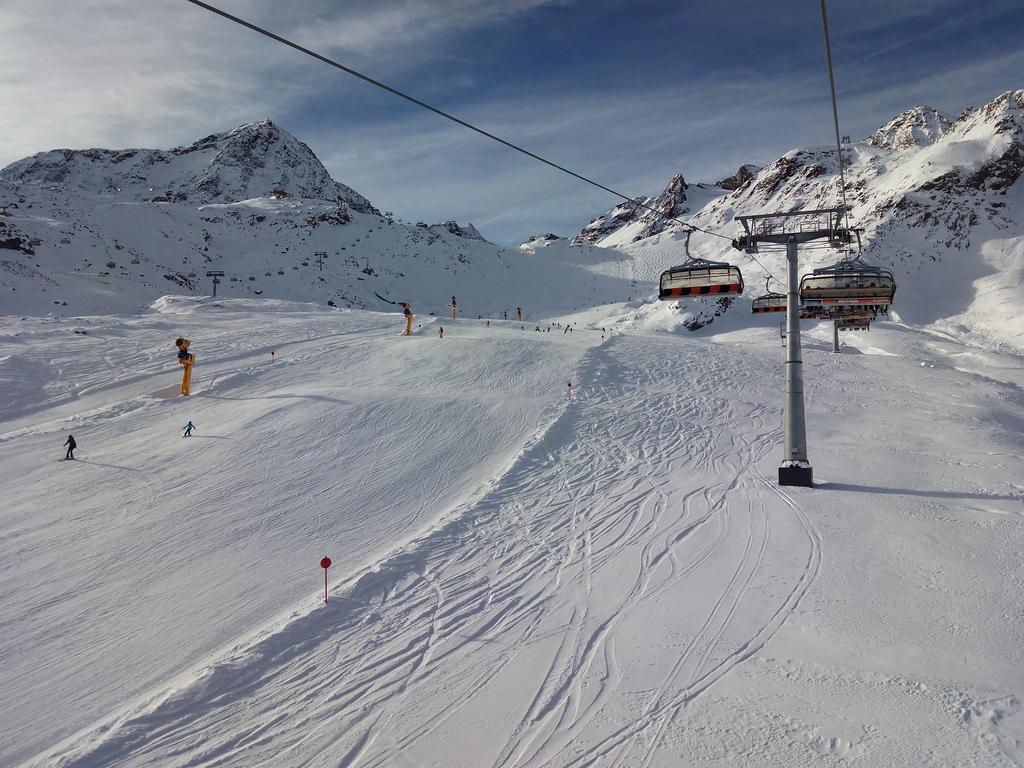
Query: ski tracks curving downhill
pixel 631 557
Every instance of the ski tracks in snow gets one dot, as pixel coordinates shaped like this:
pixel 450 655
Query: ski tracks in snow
pixel 630 558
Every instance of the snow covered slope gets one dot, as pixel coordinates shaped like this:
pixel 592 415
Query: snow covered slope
pixel 520 579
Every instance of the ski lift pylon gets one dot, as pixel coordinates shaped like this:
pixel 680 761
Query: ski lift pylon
pixel 699 277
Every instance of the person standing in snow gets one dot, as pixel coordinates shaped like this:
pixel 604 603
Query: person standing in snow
pixel 454 307
pixel 71 444
pixel 519 313
pixel 440 331
pixel 188 429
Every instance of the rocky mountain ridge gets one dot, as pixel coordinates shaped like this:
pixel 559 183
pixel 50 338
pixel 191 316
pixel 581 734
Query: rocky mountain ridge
pixel 253 160
pixel 938 201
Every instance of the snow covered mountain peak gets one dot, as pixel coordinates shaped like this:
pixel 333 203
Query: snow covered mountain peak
pixel 253 160
pixel 916 127
pixel 1003 115
pixel 671 203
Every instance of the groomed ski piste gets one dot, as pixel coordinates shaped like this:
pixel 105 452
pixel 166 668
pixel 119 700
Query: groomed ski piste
pixel 521 578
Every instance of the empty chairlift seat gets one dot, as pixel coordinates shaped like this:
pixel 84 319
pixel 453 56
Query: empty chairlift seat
pixel 699 277
pixel 770 302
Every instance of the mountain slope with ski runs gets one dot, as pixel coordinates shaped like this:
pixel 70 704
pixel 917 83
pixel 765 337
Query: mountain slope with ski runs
pixel 524 573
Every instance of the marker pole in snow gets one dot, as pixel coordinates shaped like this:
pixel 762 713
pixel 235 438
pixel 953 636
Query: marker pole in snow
pixel 325 564
pixel 835 335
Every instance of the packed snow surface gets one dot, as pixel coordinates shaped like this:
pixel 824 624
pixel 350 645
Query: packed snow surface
pixel 521 577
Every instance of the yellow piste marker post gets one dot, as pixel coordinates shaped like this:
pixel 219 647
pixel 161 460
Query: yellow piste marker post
pixel 187 360
pixel 407 311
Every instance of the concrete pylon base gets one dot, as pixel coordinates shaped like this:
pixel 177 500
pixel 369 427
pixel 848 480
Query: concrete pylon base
pixel 802 476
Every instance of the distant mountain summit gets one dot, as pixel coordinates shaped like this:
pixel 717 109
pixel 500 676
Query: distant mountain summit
pixel 917 127
pixel 671 203
pixel 253 160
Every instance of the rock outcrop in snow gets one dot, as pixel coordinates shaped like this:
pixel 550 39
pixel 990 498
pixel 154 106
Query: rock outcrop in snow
pixel 466 231
pixel 742 176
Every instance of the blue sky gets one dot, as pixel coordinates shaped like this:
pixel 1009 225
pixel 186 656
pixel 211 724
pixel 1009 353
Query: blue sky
pixel 627 92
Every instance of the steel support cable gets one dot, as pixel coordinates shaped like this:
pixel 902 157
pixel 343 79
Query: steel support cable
pixel 835 111
pixel 442 113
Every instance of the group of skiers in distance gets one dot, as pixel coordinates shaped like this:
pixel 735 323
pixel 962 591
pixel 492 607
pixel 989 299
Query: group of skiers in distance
pixel 71 443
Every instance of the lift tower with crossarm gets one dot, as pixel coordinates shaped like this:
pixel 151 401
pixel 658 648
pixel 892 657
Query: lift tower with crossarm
pixel 791 230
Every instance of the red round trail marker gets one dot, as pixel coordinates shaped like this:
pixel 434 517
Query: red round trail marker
pixel 325 564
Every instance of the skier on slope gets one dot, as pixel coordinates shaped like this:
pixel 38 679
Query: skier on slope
pixel 71 444
pixel 440 332
pixel 188 429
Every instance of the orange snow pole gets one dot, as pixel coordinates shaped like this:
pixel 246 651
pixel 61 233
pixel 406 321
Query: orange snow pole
pixel 187 360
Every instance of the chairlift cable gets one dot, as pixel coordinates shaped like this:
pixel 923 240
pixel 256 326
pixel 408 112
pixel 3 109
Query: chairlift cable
pixel 442 113
pixel 835 111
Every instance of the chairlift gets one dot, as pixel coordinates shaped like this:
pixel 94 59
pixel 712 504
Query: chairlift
pixel 771 301
pixel 850 282
pixel 854 324
pixel 851 313
pixel 699 277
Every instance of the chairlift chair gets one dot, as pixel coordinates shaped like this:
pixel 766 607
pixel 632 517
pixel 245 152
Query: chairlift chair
pixel 770 302
pixel 854 324
pixel 850 282
pixel 699 277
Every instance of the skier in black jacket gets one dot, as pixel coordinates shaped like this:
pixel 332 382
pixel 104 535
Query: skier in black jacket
pixel 71 444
